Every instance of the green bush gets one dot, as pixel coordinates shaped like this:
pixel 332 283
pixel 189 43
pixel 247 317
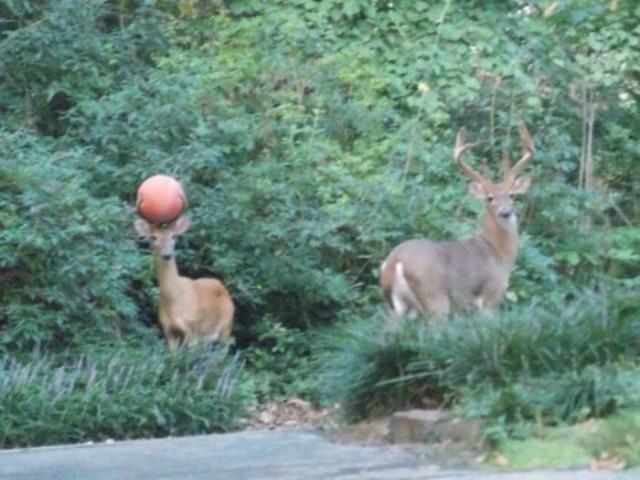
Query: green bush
pixel 120 394
pixel 280 362
pixel 68 260
pixel 550 336
pixel 55 54
pixel 550 363
pixel 554 398
pixel 312 137
pixel 311 140
pixel 363 365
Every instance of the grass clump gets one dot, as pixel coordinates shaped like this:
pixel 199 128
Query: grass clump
pixel 611 442
pixel 545 453
pixel 118 394
pixel 618 436
pixel 365 365
pixel 548 363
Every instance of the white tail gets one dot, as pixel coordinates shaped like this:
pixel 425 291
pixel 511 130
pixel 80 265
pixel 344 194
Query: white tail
pixel 190 311
pixel 420 277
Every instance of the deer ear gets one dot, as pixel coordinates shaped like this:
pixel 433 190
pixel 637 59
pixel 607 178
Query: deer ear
pixel 182 225
pixel 142 227
pixel 520 185
pixel 476 190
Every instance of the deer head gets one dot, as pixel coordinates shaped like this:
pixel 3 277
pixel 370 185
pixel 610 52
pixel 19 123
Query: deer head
pixel 498 196
pixel 163 237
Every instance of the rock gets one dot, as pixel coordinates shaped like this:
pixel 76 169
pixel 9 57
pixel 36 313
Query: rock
pixel 370 432
pixel 417 426
pixel 460 430
pixel 412 426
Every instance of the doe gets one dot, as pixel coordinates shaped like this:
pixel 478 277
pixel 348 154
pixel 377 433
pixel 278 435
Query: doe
pixel 189 311
pixel 420 277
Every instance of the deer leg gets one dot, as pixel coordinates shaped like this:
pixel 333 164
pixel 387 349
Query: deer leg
pixel 490 297
pixel 214 337
pixel 432 297
pixel 399 310
pixel 174 337
pixel 173 343
pixel 226 333
pixel 191 340
pixel 438 306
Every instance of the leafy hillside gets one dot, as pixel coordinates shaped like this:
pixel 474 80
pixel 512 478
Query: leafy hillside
pixel 311 137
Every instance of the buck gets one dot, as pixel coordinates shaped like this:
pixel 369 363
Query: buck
pixel 420 277
pixel 190 311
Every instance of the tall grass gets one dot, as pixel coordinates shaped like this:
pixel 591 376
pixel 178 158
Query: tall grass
pixel 366 365
pixel 117 394
pixel 551 361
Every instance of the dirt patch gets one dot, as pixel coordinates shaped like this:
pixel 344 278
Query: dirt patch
pixel 297 413
pixel 291 413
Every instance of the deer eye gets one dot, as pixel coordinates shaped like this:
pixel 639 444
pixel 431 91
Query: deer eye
pixel 489 198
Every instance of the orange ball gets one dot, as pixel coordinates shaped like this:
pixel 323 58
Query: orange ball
pixel 161 199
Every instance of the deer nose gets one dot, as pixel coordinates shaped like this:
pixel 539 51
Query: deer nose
pixel 166 257
pixel 506 213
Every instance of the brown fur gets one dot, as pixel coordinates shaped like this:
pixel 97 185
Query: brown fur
pixel 420 277
pixel 189 311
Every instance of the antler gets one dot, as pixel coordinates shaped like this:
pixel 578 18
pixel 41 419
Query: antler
pixel 529 152
pixel 459 149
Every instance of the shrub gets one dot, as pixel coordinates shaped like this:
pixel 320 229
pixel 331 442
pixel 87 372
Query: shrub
pixel 280 363
pixel 549 362
pixel 554 398
pixel 311 140
pixel 545 337
pixel 119 393
pixel 55 54
pixel 363 365
pixel 69 264
pixel 311 137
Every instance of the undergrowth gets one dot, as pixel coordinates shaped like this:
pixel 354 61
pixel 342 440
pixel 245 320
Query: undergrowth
pixel 280 363
pixel 118 394
pixel 549 363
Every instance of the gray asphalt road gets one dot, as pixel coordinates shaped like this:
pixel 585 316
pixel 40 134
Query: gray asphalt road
pixel 264 455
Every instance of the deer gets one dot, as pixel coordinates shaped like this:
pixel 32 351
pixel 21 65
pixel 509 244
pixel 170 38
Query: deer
pixel 190 311
pixel 425 278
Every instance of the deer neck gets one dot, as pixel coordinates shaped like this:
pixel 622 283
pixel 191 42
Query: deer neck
pixel 168 278
pixel 503 239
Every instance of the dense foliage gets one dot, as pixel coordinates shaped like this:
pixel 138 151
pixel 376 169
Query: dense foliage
pixel 310 137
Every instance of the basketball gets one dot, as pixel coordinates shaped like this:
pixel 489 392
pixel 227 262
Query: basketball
pixel 160 199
